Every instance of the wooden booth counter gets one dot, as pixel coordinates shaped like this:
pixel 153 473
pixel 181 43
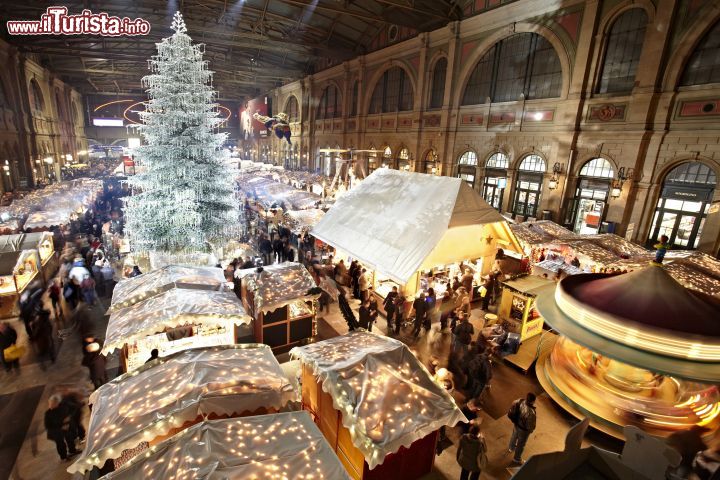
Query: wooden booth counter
pixel 280 299
pixel 17 270
pixel 375 403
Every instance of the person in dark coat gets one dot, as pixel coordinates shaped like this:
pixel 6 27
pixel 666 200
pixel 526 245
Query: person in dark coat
pixel 277 247
pixel 57 424
pixel 523 416
pixel 265 247
pixel 471 454
pixel 95 362
pixel 373 306
pixel 489 289
pixel 389 306
pixel 8 337
pixel 447 305
pixel 420 308
pixel 42 336
pixel 364 313
pixel 75 404
pixel 399 313
pixel 463 334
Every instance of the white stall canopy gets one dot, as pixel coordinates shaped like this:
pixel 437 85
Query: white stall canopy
pixel 285 445
pixel 163 395
pixel 399 222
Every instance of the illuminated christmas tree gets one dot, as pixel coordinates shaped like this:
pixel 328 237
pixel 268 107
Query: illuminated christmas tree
pixel 183 199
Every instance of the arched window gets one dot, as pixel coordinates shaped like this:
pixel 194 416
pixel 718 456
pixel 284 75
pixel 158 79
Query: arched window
pixel 372 156
pixel 597 167
pixel 292 109
pixel 522 65
pixel 353 105
pixel 467 162
pixel 532 163
pixel 430 164
pixel 392 93
pixel 591 196
pixel 622 52
pixel 36 97
pixel 683 205
pixel 528 186
pixel 403 160
pixel 704 64
pixel 329 103
pixel 387 158
pixel 437 88
pixel 495 179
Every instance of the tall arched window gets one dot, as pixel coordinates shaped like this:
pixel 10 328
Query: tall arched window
pixel 683 205
pixel 387 161
pixel 495 179
pixel 353 105
pixel 622 52
pixel 392 93
pixel 430 163
pixel 528 186
pixel 522 65
pixel 437 88
pixel 704 64
pixel 591 196
pixel 292 109
pixel 36 97
pixel 403 160
pixel 329 106
pixel 466 165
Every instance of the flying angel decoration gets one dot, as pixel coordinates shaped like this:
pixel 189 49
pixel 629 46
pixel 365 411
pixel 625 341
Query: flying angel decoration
pixel 277 123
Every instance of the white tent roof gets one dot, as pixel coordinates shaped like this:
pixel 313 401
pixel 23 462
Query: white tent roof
pixel 398 222
pixel 284 445
pixel 386 396
pixel 165 394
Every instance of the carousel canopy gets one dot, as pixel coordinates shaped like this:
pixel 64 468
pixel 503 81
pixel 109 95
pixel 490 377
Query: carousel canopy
pixel 284 445
pixel 644 318
pixel 165 394
pixel 278 285
pixel 135 289
pixel 170 309
pixel 385 395
pixel 399 222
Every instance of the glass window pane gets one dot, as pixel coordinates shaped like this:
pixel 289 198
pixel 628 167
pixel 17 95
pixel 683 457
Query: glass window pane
pixel 704 64
pixel 437 91
pixel 546 73
pixel 512 67
pixel 497 160
pixel 532 163
pixel 622 52
pixel 477 89
pixel 597 167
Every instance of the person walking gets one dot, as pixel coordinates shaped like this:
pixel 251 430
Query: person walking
pixel 54 292
pixel 355 280
pixel 522 415
pixel 399 313
pixel 57 423
pixel 389 306
pixel 447 305
pixel 373 307
pixel 277 248
pixel 420 309
pixel 472 454
pixel 8 338
pixel 480 374
pixel 363 285
pixel 364 313
pixel 95 362
pixel 464 331
pixel 42 336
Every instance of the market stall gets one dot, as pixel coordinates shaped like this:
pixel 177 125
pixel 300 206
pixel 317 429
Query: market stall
pixel 17 270
pixel 428 225
pixel 135 411
pixel 130 291
pixel 517 305
pixel 376 404
pixel 302 221
pixel 637 349
pixel 283 445
pixel 45 219
pixel 174 320
pixel 40 241
pixel 280 299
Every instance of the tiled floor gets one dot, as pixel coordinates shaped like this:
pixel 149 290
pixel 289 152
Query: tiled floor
pixel 37 458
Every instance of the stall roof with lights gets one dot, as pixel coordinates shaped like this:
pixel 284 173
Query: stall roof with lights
pixel 132 290
pixel 399 222
pixel 299 220
pixel 165 394
pixel 386 397
pixel 173 308
pixel 22 241
pixel 285 444
pixel 278 285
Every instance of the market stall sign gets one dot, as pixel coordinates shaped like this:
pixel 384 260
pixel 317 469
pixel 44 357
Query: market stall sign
pixel 689 194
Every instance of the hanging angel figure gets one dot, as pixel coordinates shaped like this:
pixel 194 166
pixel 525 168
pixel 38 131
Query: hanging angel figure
pixel 278 123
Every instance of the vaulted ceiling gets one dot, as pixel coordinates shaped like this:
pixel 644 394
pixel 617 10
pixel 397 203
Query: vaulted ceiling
pixel 252 45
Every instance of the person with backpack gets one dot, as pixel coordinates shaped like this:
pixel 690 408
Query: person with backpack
pixel 463 334
pixel 472 454
pixel 522 415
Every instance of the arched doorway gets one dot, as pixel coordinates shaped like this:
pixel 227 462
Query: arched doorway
pixel 466 165
pixel 528 187
pixel 683 205
pixel 387 161
pixel 495 179
pixel 591 196
pixel 403 160
pixel 372 160
pixel 430 163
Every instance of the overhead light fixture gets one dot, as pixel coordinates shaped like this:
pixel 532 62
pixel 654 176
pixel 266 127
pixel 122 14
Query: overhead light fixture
pixel 555 179
pixel 48 160
pixel 616 191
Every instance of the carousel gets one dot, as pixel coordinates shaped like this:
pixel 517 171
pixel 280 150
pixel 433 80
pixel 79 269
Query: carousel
pixel 636 349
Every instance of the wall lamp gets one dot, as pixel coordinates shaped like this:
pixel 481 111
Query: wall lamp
pixel 556 171
pixel 618 182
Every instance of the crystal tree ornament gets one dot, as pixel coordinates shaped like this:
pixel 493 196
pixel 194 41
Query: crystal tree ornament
pixel 183 201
